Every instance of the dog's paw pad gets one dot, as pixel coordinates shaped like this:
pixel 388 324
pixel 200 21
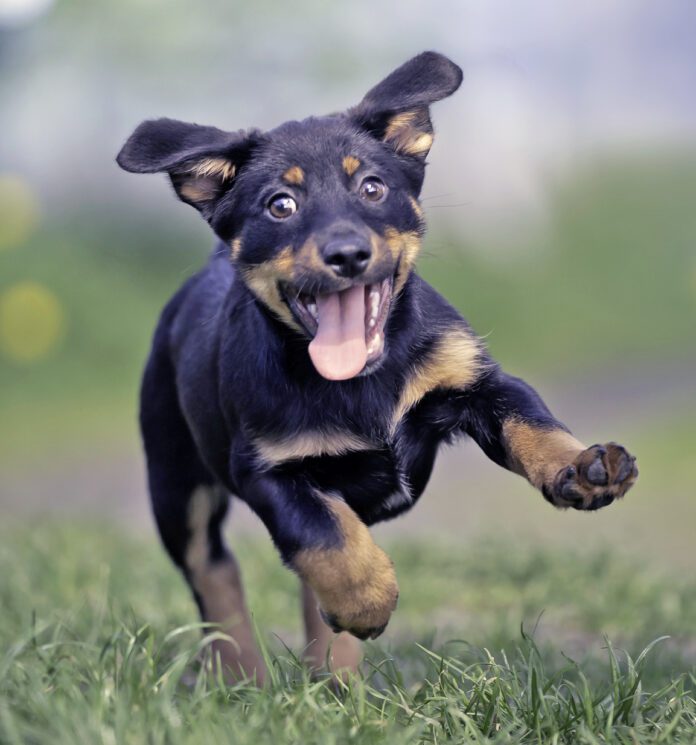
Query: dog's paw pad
pixel 597 477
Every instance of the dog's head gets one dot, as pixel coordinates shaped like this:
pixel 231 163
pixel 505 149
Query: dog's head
pixel 321 216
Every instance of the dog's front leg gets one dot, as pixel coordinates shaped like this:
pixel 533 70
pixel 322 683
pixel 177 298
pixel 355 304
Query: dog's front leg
pixel 329 547
pixel 514 427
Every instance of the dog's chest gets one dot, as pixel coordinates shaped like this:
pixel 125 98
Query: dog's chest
pixel 368 476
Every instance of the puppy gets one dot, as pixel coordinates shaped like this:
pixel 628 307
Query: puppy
pixel 310 372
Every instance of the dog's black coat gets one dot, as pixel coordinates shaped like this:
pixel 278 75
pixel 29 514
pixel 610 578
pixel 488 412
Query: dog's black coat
pixel 226 369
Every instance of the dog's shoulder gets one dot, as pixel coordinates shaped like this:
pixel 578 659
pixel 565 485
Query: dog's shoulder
pixel 446 354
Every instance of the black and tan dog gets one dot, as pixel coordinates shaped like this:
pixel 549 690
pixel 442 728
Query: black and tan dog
pixel 310 372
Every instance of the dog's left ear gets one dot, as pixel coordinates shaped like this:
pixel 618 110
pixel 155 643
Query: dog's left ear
pixel 396 110
pixel 201 161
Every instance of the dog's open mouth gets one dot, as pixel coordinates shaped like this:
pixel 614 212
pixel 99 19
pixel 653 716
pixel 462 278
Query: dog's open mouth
pixel 347 327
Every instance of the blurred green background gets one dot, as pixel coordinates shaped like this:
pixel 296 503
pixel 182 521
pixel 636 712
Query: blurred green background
pixel 561 199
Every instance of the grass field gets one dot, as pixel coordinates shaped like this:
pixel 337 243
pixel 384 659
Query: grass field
pixel 490 643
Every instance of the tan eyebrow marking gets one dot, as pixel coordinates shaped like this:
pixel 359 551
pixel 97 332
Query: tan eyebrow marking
pixel 350 164
pixel 294 176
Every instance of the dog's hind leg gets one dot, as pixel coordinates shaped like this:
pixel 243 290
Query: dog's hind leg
pixel 213 574
pixel 189 508
pixel 343 650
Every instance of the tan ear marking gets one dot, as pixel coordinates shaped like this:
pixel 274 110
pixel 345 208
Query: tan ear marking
pixel 397 124
pixel 219 167
pixel 196 192
pixel 418 145
pixel 294 176
pixel 410 133
pixel 350 164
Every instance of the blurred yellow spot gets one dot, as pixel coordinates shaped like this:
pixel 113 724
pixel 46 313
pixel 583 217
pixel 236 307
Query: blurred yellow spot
pixel 32 322
pixel 19 210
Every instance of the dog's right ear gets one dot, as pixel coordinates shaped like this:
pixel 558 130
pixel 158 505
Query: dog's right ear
pixel 397 110
pixel 201 161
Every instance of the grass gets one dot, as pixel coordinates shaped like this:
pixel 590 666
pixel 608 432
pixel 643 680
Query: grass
pixel 98 646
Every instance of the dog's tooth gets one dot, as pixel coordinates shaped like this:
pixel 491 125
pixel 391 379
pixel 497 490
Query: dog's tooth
pixel 374 344
pixel 312 308
pixel 374 303
pixel 372 323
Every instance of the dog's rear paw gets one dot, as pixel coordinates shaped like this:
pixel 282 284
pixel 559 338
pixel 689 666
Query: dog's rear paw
pixel 597 477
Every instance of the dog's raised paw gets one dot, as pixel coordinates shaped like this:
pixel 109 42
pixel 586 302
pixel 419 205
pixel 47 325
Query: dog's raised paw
pixel 362 633
pixel 599 475
pixel 365 617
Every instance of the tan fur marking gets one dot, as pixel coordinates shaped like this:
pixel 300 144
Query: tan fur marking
pixel 308 257
pixel 355 583
pixel 284 263
pixel 406 137
pixel 350 164
pixel 219 588
pixel 196 192
pixel 220 167
pixel 200 510
pixel 416 207
pixel 404 248
pixel 236 246
pixel 453 363
pixel 310 444
pixel 417 144
pixel 262 280
pixel 294 176
pixel 397 124
pixel 539 454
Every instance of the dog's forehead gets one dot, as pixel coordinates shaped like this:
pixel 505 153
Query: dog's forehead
pixel 317 143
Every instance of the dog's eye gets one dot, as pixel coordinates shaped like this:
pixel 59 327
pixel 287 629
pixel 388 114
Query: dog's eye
pixel 372 189
pixel 282 206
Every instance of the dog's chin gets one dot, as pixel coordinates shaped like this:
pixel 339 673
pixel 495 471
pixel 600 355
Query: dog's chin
pixel 305 308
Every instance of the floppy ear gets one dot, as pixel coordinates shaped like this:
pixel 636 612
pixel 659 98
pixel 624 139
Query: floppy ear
pixel 397 109
pixel 201 161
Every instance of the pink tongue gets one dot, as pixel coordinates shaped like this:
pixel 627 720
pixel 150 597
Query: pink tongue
pixel 338 350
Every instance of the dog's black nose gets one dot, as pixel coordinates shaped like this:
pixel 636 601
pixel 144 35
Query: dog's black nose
pixel 347 257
